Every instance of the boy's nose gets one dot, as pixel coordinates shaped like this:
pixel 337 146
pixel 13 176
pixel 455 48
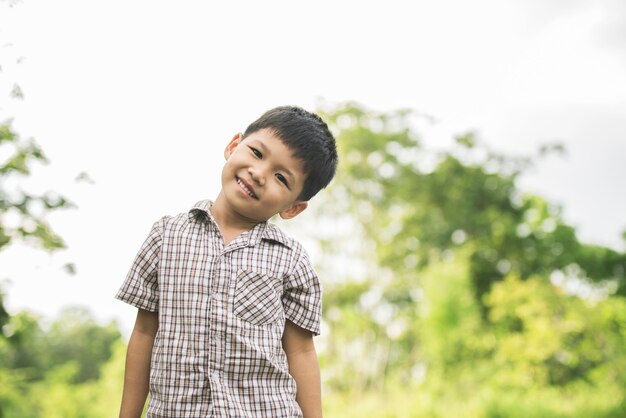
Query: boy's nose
pixel 257 175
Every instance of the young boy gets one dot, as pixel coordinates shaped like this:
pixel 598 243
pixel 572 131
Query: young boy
pixel 227 303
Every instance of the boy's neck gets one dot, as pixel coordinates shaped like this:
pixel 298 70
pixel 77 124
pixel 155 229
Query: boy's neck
pixel 229 223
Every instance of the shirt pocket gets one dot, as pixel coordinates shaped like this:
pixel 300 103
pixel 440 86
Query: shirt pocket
pixel 257 299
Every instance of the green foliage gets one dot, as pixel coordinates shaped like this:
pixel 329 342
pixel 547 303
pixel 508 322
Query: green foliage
pixel 108 388
pixel 71 369
pixel 22 351
pixel 41 370
pixel 58 395
pixel 542 353
pixel 73 337
pixel 34 360
pixel 426 202
pixel 459 307
pixel 400 401
pixel 449 318
pixel 364 332
pixel 76 336
pixel 28 209
pixel 548 338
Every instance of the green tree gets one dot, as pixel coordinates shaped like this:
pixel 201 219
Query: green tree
pixel 28 210
pixel 428 202
pixel 547 337
pixel 46 371
pixel 22 217
pixel 418 242
pixel 83 368
pixel 75 336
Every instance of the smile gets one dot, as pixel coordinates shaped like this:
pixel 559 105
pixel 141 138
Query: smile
pixel 245 189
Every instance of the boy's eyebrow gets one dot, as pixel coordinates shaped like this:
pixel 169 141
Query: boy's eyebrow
pixel 266 150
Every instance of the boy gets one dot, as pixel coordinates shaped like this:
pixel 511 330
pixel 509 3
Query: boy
pixel 228 304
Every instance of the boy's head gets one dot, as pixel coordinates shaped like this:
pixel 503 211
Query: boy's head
pixel 310 140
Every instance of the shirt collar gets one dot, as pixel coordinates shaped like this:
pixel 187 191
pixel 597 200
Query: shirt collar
pixel 201 211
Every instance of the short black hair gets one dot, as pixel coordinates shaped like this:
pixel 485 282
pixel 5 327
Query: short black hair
pixel 310 139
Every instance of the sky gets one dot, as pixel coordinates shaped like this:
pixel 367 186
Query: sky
pixel 144 95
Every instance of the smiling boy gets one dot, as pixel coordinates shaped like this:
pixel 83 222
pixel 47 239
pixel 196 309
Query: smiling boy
pixel 227 303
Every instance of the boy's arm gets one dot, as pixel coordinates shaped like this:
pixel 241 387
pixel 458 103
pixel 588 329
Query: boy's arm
pixel 304 367
pixel 137 372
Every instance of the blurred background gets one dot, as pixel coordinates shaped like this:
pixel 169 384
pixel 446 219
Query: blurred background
pixel 471 248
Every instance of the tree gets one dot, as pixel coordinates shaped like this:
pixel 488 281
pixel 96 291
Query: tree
pixel 420 243
pixel 22 217
pixel 75 347
pixel 75 336
pixel 432 202
pixel 28 210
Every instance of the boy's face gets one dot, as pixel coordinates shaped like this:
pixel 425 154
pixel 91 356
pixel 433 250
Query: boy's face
pixel 261 177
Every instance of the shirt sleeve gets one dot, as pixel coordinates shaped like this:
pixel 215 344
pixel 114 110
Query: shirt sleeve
pixel 141 288
pixel 302 296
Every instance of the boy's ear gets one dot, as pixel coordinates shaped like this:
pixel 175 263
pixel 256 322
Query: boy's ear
pixel 232 145
pixel 293 210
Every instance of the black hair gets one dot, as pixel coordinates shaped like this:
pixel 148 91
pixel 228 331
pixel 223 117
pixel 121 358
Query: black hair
pixel 308 136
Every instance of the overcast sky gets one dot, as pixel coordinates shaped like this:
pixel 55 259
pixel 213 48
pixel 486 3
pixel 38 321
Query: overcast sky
pixel 144 95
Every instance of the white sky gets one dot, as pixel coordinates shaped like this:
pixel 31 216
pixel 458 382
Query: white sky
pixel 144 95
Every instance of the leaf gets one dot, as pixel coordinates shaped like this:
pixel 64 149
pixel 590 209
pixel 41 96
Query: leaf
pixel 16 92
pixel 70 268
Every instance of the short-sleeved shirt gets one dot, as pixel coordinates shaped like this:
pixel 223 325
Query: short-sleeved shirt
pixel 222 312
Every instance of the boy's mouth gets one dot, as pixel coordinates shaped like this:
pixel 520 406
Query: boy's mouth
pixel 246 188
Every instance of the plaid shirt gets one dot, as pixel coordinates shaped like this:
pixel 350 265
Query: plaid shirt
pixel 222 312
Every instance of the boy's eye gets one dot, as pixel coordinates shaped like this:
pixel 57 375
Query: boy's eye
pixel 282 179
pixel 256 152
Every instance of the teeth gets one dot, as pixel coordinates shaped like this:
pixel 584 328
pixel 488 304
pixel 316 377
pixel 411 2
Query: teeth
pixel 243 186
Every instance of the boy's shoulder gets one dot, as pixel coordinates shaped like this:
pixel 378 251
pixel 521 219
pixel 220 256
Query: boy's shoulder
pixel 274 233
